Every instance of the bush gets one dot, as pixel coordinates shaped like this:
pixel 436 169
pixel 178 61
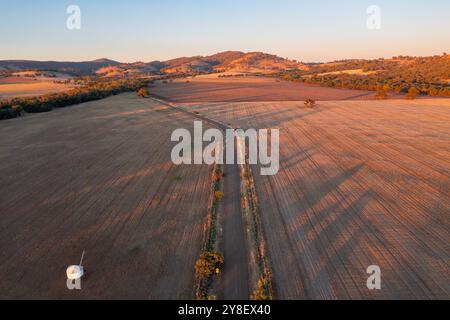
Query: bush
pixel 412 93
pixel 310 103
pixel 208 265
pixel 217 177
pixel 263 291
pixel 10 112
pixel 433 91
pixel 143 93
pixel 218 195
pixel 381 95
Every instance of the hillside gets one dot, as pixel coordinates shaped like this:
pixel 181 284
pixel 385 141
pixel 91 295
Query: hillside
pixel 224 61
pixel 426 75
pixel 75 68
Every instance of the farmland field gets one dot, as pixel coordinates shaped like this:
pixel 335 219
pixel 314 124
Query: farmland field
pixel 361 183
pixel 98 177
pixel 213 89
pixel 23 85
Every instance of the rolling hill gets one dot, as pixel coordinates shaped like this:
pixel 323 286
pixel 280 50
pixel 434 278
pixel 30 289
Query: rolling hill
pixel 224 61
pixel 75 68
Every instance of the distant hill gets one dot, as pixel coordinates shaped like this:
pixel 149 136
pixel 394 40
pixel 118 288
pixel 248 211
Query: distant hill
pixel 224 61
pixel 75 68
pixel 402 74
pixel 412 69
pixel 232 61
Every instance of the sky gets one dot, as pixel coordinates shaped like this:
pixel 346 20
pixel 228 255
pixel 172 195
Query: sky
pixel 147 30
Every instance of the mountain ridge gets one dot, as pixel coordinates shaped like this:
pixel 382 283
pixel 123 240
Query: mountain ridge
pixel 219 62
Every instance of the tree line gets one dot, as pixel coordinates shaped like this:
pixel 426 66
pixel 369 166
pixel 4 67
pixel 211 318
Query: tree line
pixel 426 75
pixel 95 90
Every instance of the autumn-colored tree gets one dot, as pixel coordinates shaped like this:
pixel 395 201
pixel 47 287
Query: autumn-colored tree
pixel 263 290
pixel 412 93
pixel 218 195
pixel 387 88
pixel 208 264
pixel 143 93
pixel 381 95
pixel 433 91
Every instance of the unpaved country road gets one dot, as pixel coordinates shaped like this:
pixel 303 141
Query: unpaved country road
pixel 234 282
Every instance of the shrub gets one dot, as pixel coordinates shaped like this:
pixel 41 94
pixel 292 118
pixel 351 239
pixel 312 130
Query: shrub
pixel 143 93
pixel 208 265
pixel 412 93
pixel 218 195
pixel 310 103
pixel 217 177
pixel 18 110
pixel 10 112
pixel 263 290
pixel 381 95
pixel 433 91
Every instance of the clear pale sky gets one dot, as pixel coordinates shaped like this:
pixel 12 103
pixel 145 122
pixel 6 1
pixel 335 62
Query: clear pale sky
pixel 147 30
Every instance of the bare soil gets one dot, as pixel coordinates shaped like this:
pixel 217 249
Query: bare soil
pixel 241 89
pixel 98 177
pixel 29 88
pixel 361 183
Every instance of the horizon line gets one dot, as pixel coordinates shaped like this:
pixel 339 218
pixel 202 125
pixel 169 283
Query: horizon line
pixel 207 55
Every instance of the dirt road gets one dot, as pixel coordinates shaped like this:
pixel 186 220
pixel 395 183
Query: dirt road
pixel 233 283
pixel 234 279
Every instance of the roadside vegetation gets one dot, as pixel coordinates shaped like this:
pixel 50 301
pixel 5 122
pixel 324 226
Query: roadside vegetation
pixel 262 286
pixel 143 92
pixel 211 261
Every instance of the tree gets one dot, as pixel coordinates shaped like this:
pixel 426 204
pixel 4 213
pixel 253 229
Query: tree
pixel 433 91
pixel 387 88
pixel 381 95
pixel 310 103
pixel 143 93
pixel 412 93
pixel 208 264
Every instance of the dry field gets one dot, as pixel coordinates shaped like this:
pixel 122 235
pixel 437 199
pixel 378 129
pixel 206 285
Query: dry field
pixel 98 177
pixel 361 183
pixel 12 87
pixel 258 89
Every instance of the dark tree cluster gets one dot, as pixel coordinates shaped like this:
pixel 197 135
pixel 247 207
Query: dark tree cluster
pixel 94 90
